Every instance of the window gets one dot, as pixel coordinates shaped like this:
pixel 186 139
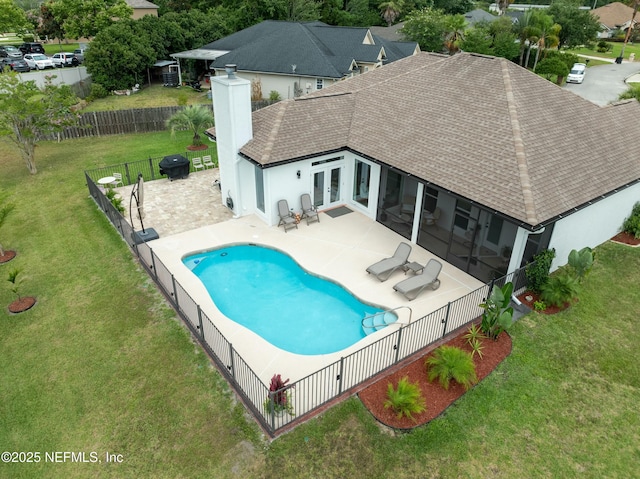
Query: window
pixel 319 83
pixel 463 211
pixel 259 188
pixel 430 199
pixel 361 183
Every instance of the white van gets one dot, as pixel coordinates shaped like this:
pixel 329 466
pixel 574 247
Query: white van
pixel 576 75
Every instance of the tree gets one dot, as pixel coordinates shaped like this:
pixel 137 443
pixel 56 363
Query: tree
pixel 195 118
pixel 453 7
pixel 477 39
pixel 548 33
pixel 553 66
pixel 302 10
pixel 85 18
pixel 119 56
pixel 12 17
pixel 391 10
pixel 579 27
pixel 50 25
pixel 27 113
pixel 427 27
pixel 454 33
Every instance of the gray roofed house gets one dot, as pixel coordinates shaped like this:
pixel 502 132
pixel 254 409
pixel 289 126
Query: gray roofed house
pixel 479 15
pixel 294 58
pixel 512 163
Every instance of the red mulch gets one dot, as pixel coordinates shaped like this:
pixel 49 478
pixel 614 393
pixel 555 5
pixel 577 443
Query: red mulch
pixel 550 308
pixel 437 398
pixel 626 238
pixel 197 148
pixel 22 304
pixel 7 256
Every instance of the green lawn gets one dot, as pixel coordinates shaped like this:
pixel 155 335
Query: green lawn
pixel 613 54
pixel 102 364
pixel 150 96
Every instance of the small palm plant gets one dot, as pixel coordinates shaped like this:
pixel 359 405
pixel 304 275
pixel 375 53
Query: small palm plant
pixel 195 118
pixel 449 362
pixel 474 337
pixel 406 399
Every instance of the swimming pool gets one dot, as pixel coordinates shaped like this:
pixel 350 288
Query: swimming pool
pixel 266 291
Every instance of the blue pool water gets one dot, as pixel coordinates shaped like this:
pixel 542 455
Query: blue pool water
pixel 269 293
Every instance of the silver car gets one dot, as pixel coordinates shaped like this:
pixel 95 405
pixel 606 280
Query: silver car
pixel 38 61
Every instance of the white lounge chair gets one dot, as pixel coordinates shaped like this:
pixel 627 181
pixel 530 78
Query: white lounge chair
pixel 208 162
pixel 309 211
pixel 197 163
pixel 385 268
pixel 412 287
pixel 287 220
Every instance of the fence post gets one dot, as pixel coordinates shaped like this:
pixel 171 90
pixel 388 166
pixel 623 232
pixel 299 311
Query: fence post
pixel 397 346
pixel 175 292
pixel 200 324
pixel 153 174
pixel 231 367
pixel 339 378
pixel 126 169
pixel 446 319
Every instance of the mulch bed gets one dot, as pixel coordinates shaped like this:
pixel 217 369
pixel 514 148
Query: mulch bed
pixel 437 398
pixel 22 304
pixel 626 238
pixel 7 256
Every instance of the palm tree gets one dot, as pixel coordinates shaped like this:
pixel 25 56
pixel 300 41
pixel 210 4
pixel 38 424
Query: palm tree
pixel 549 33
pixel 194 118
pixel 455 26
pixel 391 10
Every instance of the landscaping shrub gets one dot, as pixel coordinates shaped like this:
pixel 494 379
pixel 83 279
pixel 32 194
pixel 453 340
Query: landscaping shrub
pixel 581 262
pixel 560 289
pixel 97 91
pixel 537 272
pixel 449 362
pixel 498 315
pixel 406 399
pixel 604 47
pixel 631 225
pixel 274 96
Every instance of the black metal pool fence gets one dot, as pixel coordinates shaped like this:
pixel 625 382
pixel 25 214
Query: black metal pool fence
pixel 319 388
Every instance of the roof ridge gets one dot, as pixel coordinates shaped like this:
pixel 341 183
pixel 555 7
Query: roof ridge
pixel 521 159
pixel 273 133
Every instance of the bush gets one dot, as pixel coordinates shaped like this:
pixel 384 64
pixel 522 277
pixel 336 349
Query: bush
pixel 581 262
pixel 449 362
pixel 406 399
pixel 97 91
pixel 274 96
pixel 537 272
pixel 567 58
pixel 604 47
pixel 631 225
pixel 560 289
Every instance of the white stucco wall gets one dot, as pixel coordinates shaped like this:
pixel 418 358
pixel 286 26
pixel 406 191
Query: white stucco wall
pixel 283 84
pixel 593 225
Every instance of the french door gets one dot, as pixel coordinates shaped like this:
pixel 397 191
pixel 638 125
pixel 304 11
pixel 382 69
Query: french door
pixel 327 186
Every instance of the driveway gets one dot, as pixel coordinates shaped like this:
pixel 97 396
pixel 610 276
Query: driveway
pixel 604 83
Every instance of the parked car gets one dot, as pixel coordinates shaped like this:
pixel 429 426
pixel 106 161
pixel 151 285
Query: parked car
pixel 16 64
pixel 79 53
pixel 31 47
pixel 8 51
pixel 38 61
pixel 576 74
pixel 65 59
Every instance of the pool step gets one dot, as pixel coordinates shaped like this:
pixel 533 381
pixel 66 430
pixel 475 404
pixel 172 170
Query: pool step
pixel 376 322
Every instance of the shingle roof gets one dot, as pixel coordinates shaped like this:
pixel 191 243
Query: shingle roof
pixel 614 14
pixel 479 126
pixel 141 4
pixel 316 49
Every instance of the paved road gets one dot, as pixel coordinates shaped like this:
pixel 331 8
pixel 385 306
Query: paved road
pixel 603 83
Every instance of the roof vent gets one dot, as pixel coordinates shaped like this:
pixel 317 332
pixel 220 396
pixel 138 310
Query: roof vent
pixel 230 70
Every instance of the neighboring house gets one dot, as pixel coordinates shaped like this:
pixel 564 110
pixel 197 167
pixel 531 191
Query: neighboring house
pixel 142 8
pixel 478 15
pixel 392 33
pixel 613 17
pixel 298 58
pixel 479 161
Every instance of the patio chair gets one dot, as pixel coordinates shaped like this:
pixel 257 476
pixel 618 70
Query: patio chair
pixel 287 219
pixel 207 162
pixel 309 210
pixel 118 180
pixel 412 287
pixel 385 268
pixel 197 163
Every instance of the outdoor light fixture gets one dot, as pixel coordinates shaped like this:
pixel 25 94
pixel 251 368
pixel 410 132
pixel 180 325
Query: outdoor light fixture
pixel 298 174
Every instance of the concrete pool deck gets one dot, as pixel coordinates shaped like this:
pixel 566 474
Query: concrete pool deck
pixel 337 248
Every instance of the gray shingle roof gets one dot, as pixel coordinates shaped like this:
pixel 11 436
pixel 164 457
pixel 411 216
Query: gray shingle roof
pixel 479 126
pixel 316 49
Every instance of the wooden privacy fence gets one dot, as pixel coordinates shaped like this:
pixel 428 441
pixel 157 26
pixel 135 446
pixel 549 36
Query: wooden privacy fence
pixel 117 122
